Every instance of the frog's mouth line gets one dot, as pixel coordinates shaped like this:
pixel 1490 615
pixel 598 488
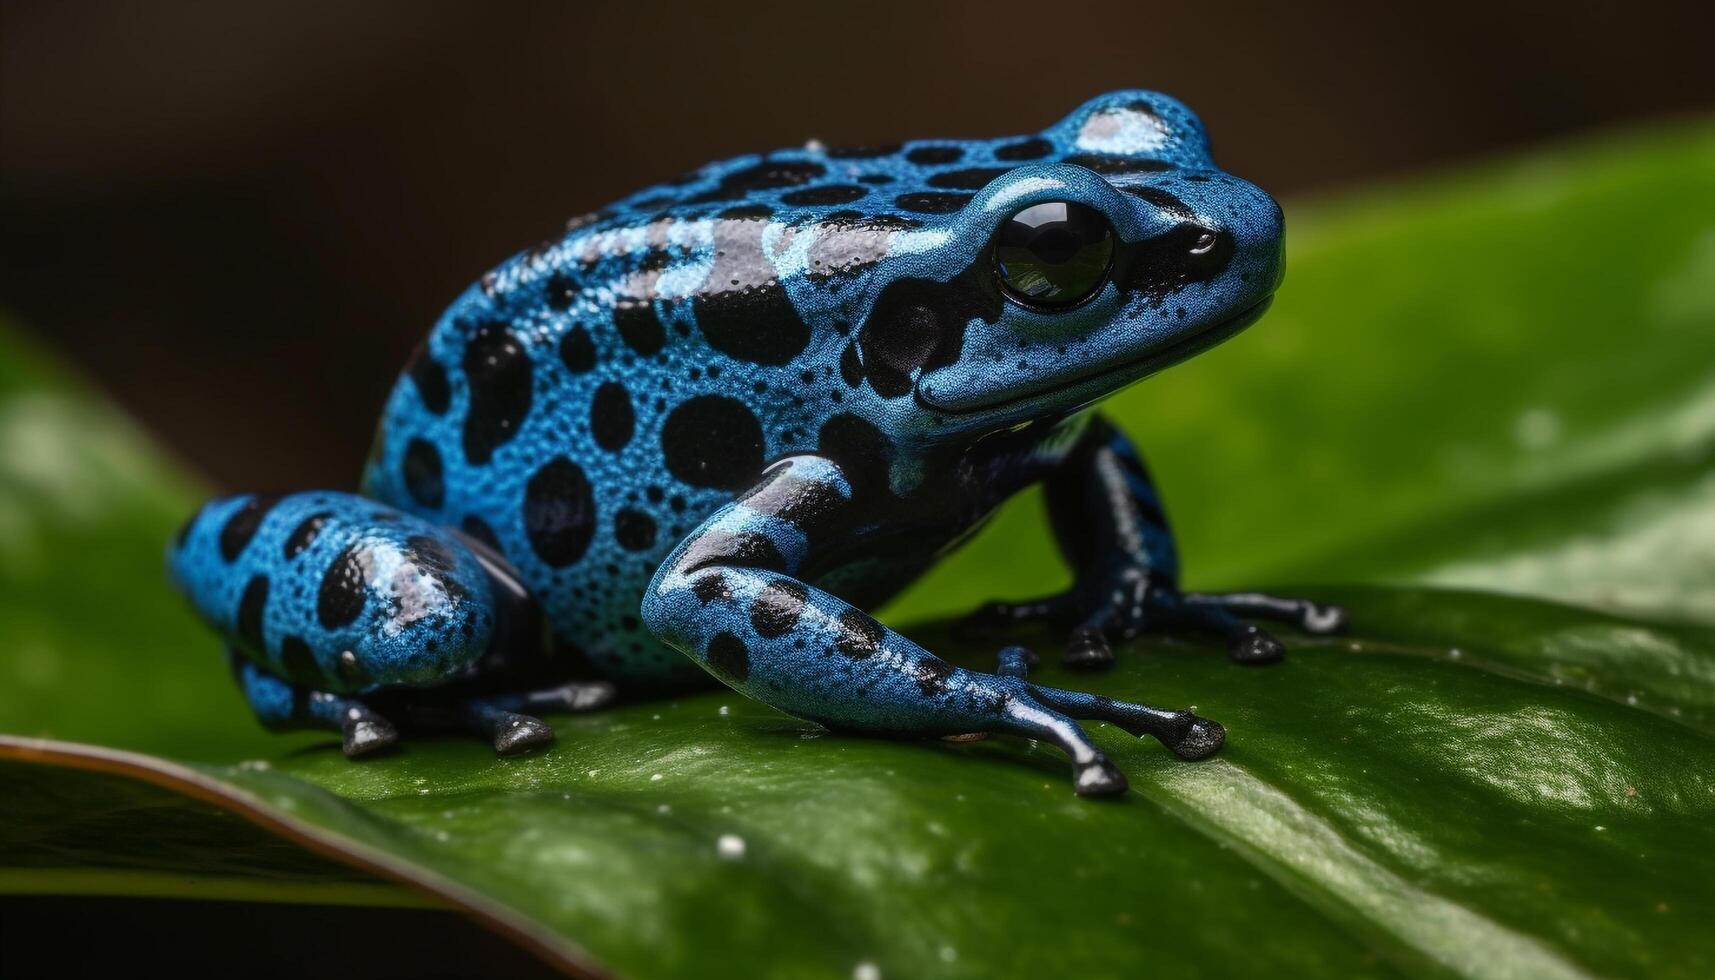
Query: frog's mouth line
pixel 1101 380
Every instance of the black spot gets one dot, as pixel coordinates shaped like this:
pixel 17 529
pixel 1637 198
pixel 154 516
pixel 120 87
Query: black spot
pixel 559 291
pixel 422 472
pixel 299 663
pixel 304 534
pixel 431 380
pixel 774 173
pixel 242 525
pixel 935 154
pixel 1034 148
pixel 729 658
pixel 1167 202
pixel 611 417
pixel 1169 262
pixel 713 441
pixel 344 588
pixel 251 606
pixel 577 350
pixel 747 549
pixel 711 588
pixel 931 674
pixel 767 174
pixel 861 451
pixel 1103 163
pixel 814 506
pixel 559 512
pixel 639 326
pixel 744 311
pixel 863 152
pixel 498 367
pixel 826 194
pixel 860 636
pixel 932 202
pixel 776 609
pixel 974 178
pixel 478 528
pixel 654 493
pixel 634 530
pixel 919 324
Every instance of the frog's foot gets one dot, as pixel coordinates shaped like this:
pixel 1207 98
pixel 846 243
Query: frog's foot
pixel 510 722
pixel 512 732
pixel 362 731
pixel 1135 602
pixel 283 706
pixel 1048 713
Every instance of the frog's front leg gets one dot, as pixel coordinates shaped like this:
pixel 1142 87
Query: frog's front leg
pixel 1109 522
pixel 730 597
pixel 281 706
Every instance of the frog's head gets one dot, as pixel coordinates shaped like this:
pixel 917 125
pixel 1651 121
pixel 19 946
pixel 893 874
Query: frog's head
pixel 1119 250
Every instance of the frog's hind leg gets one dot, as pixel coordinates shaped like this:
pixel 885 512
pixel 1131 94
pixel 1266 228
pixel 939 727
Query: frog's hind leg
pixel 344 609
pixel 510 722
pixel 283 706
pixel 731 598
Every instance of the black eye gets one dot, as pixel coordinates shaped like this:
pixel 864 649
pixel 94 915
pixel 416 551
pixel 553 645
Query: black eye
pixel 1053 254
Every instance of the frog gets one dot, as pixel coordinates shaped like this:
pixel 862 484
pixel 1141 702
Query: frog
pixel 699 435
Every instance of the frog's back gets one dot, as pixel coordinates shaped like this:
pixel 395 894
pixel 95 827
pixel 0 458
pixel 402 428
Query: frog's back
pixel 594 398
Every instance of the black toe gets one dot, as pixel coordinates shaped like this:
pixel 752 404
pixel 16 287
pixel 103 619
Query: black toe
pixel 1255 647
pixel 1203 739
pixel 521 733
pixel 1087 649
pixel 1099 778
pixel 367 736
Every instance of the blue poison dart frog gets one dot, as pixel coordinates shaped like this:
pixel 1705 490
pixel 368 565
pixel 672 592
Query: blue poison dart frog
pixel 698 434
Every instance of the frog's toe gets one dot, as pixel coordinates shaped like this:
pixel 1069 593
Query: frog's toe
pixel 1099 777
pixel 514 733
pixel 1202 739
pixel 1254 646
pixel 367 735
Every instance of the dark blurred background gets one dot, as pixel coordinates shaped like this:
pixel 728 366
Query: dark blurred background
pixel 239 217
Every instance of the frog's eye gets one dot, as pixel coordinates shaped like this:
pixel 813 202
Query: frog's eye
pixel 1053 254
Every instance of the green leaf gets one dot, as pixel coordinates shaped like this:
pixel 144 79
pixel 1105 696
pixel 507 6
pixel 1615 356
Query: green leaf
pixel 1495 381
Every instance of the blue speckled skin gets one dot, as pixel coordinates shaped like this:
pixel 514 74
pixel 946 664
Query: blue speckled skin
pixel 709 425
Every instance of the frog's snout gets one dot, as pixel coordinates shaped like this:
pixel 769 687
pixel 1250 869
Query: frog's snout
pixel 1247 223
